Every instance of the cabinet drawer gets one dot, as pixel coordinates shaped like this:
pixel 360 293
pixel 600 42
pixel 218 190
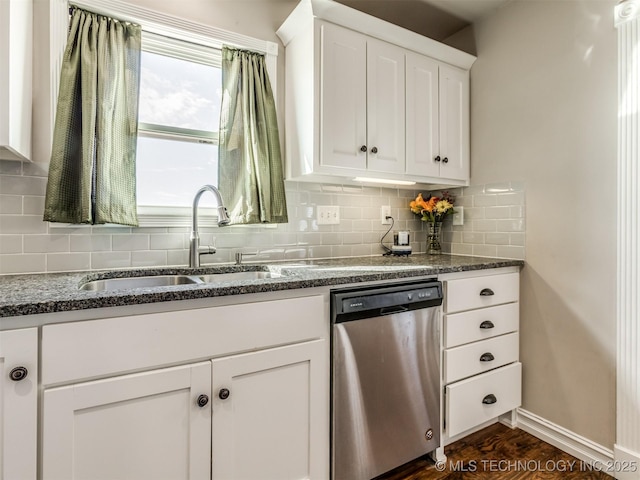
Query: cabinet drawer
pixel 78 351
pixel 478 357
pixel 474 325
pixel 500 389
pixel 478 292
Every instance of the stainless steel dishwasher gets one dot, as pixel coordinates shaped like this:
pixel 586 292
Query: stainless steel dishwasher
pixel 385 377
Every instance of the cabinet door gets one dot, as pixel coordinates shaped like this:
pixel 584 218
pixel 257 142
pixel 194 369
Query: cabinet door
pixel 454 123
pixel 141 426
pixel 343 114
pixel 423 143
pixel 385 107
pixel 273 423
pixel 18 403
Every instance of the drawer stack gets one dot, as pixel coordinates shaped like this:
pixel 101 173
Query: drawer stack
pixel 481 372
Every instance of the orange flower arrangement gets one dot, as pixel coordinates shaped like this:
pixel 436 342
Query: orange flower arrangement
pixel 434 209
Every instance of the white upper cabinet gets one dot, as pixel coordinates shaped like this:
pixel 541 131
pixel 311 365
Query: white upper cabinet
pixel 437 119
pixel 454 123
pixel 365 98
pixel 362 102
pixel 15 79
pixel 344 98
pixel 423 141
pixel 385 107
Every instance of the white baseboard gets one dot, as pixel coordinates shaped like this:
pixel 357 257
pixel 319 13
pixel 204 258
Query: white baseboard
pixel 627 463
pixel 582 448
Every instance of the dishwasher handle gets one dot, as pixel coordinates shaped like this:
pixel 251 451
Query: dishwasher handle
pixel 393 310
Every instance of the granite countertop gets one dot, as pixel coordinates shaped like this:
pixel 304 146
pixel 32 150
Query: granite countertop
pixel 59 292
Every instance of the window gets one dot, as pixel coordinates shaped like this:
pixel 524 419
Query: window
pixel 179 112
pixel 176 144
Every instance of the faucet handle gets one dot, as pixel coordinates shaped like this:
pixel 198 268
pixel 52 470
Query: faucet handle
pixel 240 256
pixel 206 250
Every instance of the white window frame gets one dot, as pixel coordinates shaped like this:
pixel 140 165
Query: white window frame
pixel 164 25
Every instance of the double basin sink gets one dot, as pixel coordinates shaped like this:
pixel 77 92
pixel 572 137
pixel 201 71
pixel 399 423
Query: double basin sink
pixel 151 281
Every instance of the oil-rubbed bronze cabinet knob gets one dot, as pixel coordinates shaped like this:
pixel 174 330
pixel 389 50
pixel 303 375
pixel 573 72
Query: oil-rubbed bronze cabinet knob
pixel 224 393
pixel 489 399
pixel 18 373
pixel 202 400
pixel 363 148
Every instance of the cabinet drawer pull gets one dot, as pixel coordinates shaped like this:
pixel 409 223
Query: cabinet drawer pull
pixel 486 325
pixel 487 357
pixel 437 159
pixel 486 292
pixel 445 160
pixel 202 400
pixel 374 150
pixel 224 393
pixel 363 148
pixel 489 399
pixel 18 373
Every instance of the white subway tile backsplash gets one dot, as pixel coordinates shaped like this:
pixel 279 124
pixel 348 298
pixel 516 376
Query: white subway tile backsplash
pixel 484 225
pixel 130 242
pixel 9 167
pixel 107 260
pixel 510 252
pixel 503 187
pixel 485 250
pixel 494 223
pixel 485 200
pixel 21 224
pixel 10 204
pixel 460 249
pixel 513 225
pixel 46 243
pixel 23 263
pixel 68 262
pixel 168 241
pixel 33 205
pixel 517 239
pixel 497 213
pixel 10 244
pixel 18 185
pixel 494 218
pixel 149 259
pixel 352 238
pixel 496 238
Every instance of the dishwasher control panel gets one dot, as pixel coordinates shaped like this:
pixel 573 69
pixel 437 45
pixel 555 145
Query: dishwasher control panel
pixel 385 299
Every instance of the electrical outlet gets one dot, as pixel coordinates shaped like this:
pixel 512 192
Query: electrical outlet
pixel 385 211
pixel 458 217
pixel 328 214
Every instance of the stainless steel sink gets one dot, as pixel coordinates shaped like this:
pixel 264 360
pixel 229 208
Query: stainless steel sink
pixel 127 283
pixel 231 276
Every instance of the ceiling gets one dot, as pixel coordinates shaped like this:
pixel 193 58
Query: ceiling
pixel 437 19
pixel 469 10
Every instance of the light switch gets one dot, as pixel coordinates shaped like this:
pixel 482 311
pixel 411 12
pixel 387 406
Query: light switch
pixel 328 214
pixel 458 217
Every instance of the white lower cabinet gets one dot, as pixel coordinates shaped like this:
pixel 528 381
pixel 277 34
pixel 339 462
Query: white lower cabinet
pixel 226 415
pixel 18 404
pixel 147 425
pixel 478 399
pixel 267 414
pixel 482 376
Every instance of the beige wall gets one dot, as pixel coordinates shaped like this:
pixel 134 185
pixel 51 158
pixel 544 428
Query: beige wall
pixel 543 100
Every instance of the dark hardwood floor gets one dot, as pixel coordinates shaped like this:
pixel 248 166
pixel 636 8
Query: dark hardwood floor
pixel 498 452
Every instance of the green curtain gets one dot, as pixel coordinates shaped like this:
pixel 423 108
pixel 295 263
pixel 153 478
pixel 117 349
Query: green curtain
pixel 250 163
pixel 92 169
